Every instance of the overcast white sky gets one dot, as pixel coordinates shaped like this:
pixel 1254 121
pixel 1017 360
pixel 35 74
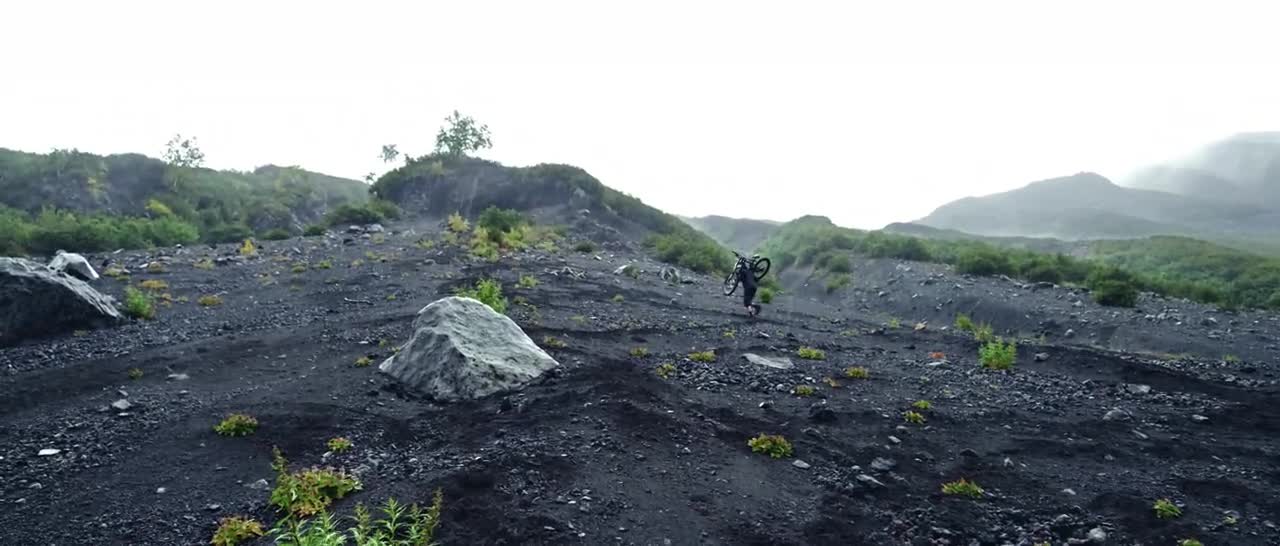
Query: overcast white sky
pixel 865 112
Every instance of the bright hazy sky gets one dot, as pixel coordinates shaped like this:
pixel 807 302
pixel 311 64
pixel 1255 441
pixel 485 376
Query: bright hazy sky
pixel 867 112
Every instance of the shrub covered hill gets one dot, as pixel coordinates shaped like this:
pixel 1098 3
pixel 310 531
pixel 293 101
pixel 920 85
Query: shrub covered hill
pixel 813 250
pixel 436 186
pixel 741 234
pixel 80 201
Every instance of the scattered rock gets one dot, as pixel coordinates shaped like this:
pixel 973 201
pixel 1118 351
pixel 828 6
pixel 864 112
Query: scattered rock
pixel 213 507
pixel 160 490
pixel 1069 333
pixel 869 480
pixel 260 485
pixel 178 377
pixel 1116 414
pixel 1041 357
pixel 1199 418
pixel 882 464
pixel 780 363
pixel 1097 535
pixel 462 349
pixel 1069 491
pixel 1138 389
pixel 800 464
pixel 46 452
pixel 122 404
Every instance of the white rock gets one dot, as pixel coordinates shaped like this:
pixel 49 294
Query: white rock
pixel 799 464
pixel 46 452
pixel 780 363
pixel 462 349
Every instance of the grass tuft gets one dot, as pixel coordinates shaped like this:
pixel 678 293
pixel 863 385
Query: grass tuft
pixel 639 352
pixel 772 445
pixel 809 353
pixel 913 418
pixel 135 373
pixel 138 305
pixel 703 356
pixel 857 372
pixel 1166 509
pixel 236 530
pixel 339 444
pixel 209 301
pixel 964 488
pixel 998 355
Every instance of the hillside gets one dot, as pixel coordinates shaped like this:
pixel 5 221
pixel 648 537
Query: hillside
pixel 433 187
pixel 1088 206
pixel 635 439
pixel 741 234
pixel 84 201
pixel 1243 168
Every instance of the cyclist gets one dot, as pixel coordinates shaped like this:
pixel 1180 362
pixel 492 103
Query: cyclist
pixel 748 280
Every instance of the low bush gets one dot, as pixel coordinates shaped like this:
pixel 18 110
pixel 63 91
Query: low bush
pixel 913 417
pixel 236 424
pixel 998 355
pixel 554 342
pixel 308 492
pixel 809 353
pixel 639 352
pixel 703 356
pixel 338 445
pixel 772 445
pixel 766 295
pixel 665 370
pixel 138 305
pixel 803 390
pixel 964 488
pixel 209 301
pixel 488 292
pixel 857 372
pixel 236 530
pixel 314 230
pixel 1166 509
pixel 276 234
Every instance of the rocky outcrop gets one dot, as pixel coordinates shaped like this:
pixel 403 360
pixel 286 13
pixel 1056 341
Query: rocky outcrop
pixel 73 264
pixel 37 301
pixel 461 349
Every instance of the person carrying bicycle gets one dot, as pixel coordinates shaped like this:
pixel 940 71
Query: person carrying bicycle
pixel 748 280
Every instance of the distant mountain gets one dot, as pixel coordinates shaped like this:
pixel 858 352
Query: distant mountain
pixel 741 234
pixel 1088 206
pixel 1244 168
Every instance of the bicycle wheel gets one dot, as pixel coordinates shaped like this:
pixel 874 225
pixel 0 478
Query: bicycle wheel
pixel 761 268
pixel 730 284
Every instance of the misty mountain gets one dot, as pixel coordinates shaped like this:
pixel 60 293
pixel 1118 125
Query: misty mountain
pixel 1244 168
pixel 1089 206
pixel 741 234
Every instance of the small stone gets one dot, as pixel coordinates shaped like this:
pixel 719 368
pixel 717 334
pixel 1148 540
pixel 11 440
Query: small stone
pixel 49 452
pixel 260 485
pixel 1097 535
pixel 869 480
pixel 1041 357
pixel 35 485
pixel 882 464
pixel 1069 491
pixel 895 440
pixel 800 464
pixel 1138 389
pixel 1199 418
pixel 1070 332
pixel 121 404
pixel 1140 435
pixel 213 507
pixel 178 377
pixel 160 490
pixel 1116 414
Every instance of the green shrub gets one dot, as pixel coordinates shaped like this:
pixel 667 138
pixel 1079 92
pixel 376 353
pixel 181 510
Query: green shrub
pixel 236 424
pixel 585 247
pixel 703 356
pixel 338 444
pixel 617 298
pixel 457 224
pixel 554 342
pixel 639 352
pixel 314 230
pixel 397 526
pixel 912 417
pixel 837 282
pixel 857 372
pixel 209 301
pixel 488 292
pixel 500 221
pixel 690 249
pixel 236 530
pixel 998 355
pixel 135 373
pixel 527 282
pixel 772 445
pixel 922 405
pixel 766 295
pixel 373 212
pixel 964 488
pixel 964 323
pixel 984 261
pixel 1166 509
pixel 1190 542
pixel 803 390
pixel 229 233
pixel 363 361
pixel 138 305
pixel 665 370
pixel 809 353
pixel 276 234
pixel 308 492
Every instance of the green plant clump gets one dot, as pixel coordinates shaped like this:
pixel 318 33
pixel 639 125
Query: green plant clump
pixel 803 390
pixel 339 444
pixel 914 418
pixel 964 488
pixel 772 445
pixel 998 355
pixel 665 370
pixel 639 352
pixel 138 305
pixel 809 353
pixel 236 530
pixel 488 292
pixel 308 492
pixel 922 405
pixel 1166 509
pixel 703 356
pixel 236 424
pixel 857 372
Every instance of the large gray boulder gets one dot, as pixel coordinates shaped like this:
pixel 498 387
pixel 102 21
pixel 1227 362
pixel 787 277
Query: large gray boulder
pixel 461 349
pixel 36 301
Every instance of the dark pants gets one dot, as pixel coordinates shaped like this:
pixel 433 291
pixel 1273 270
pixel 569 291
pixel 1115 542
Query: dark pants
pixel 748 294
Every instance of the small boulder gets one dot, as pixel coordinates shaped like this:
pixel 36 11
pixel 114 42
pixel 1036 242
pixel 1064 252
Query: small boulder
pixel 73 264
pixel 461 349
pixel 1041 357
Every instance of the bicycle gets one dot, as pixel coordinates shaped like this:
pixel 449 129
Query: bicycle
pixel 759 267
